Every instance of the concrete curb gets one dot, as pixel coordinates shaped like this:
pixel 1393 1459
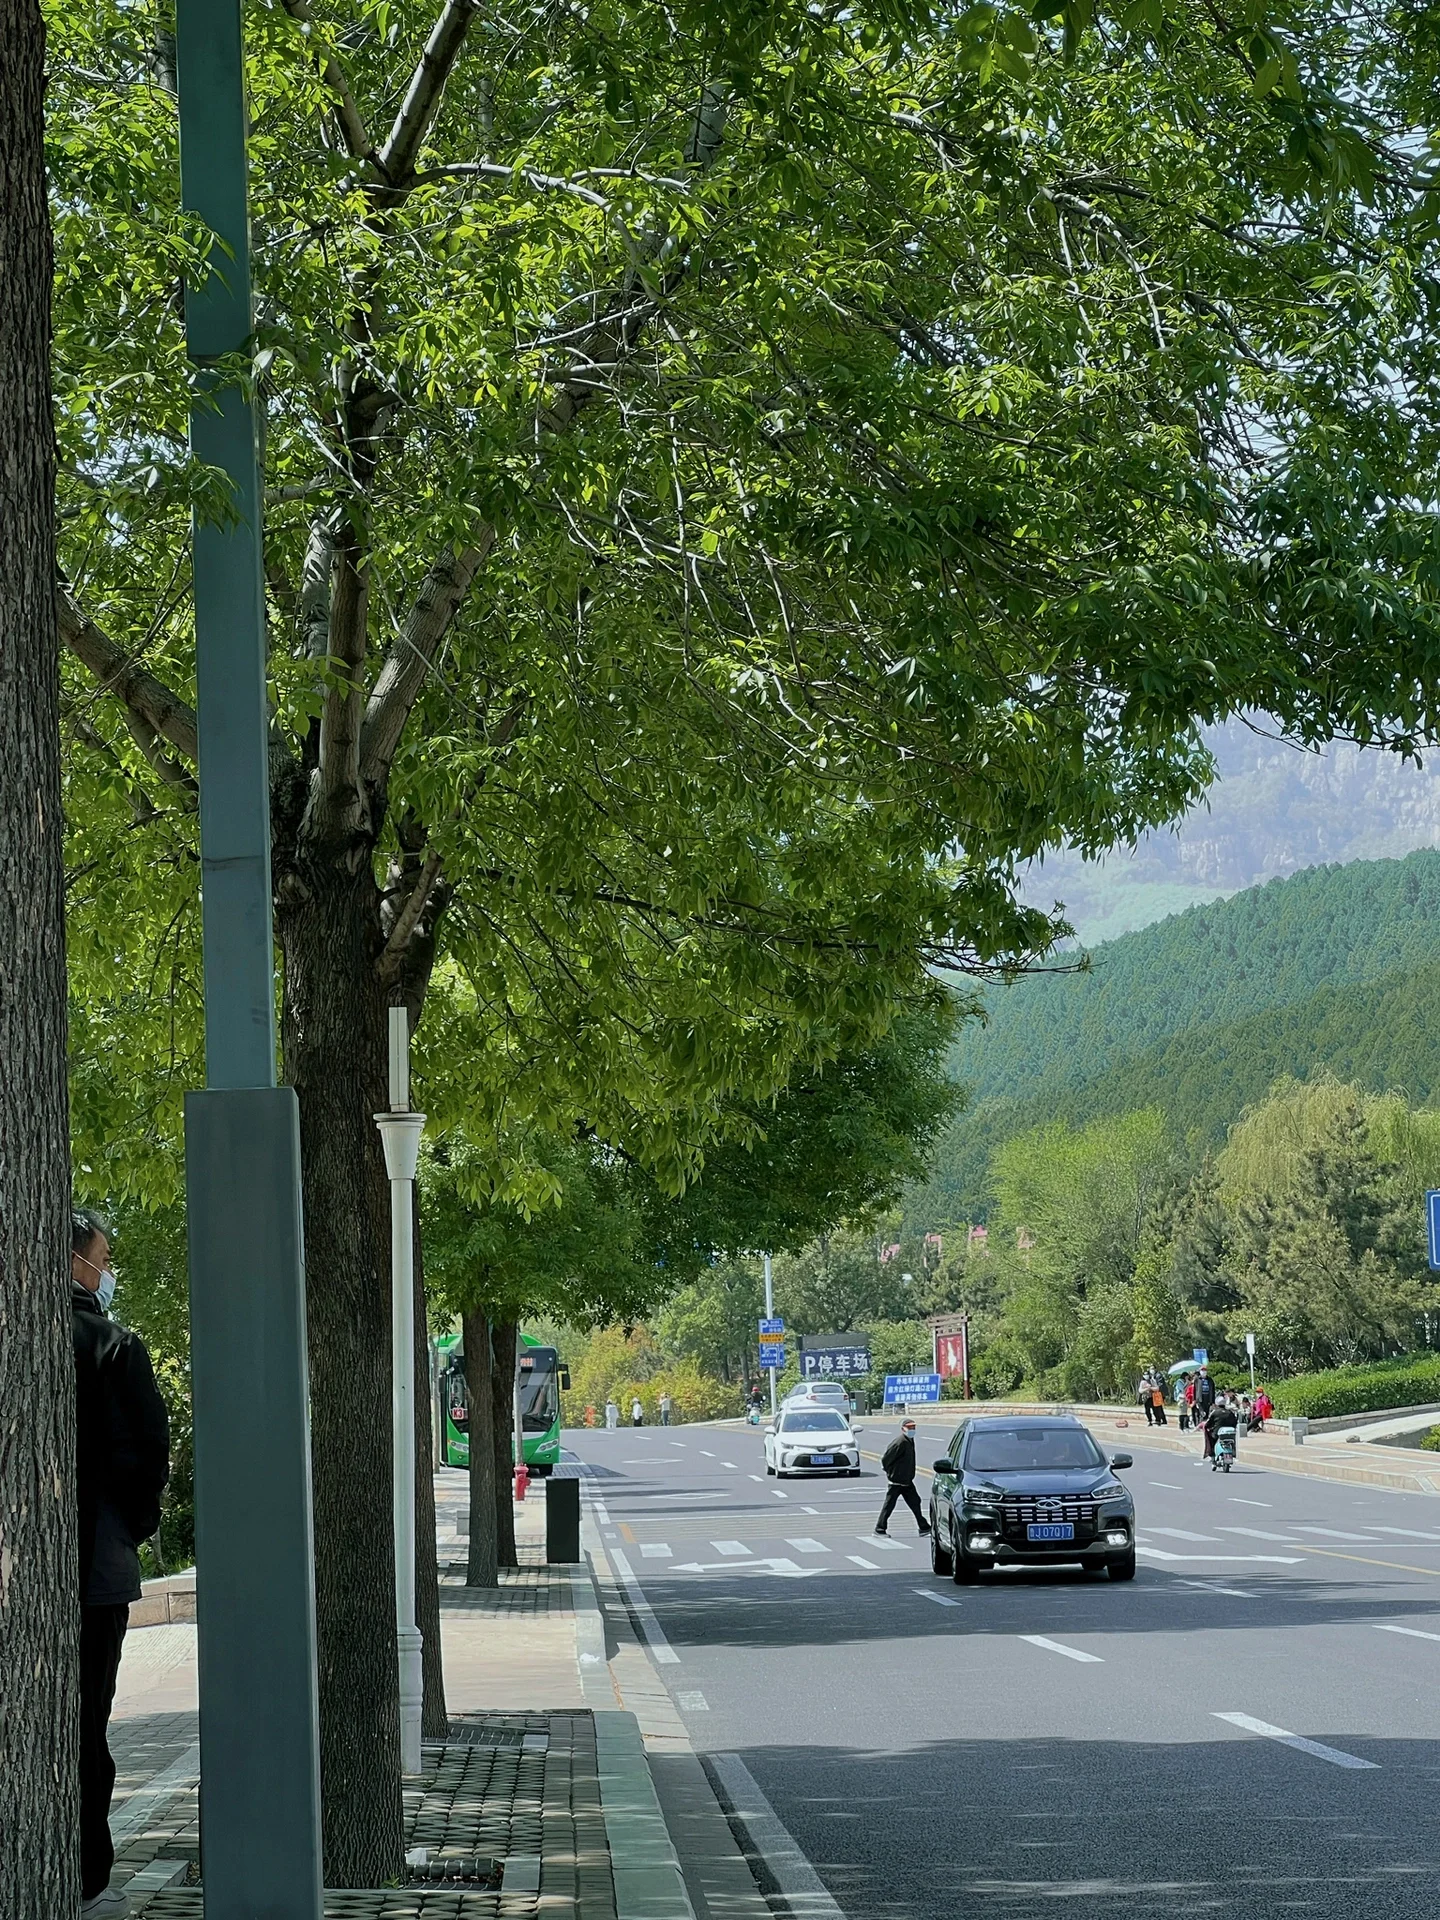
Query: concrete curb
pixel 590 1638
pixel 643 1863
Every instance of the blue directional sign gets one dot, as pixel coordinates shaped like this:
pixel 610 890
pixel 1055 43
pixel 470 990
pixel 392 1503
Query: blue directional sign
pixel 772 1356
pixel 909 1389
pixel 1432 1227
pixel 1202 1356
pixel 843 1363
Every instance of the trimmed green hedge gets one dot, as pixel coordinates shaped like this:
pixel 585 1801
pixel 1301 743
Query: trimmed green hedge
pixel 1410 1381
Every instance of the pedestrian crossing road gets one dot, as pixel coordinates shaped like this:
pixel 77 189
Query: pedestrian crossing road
pixel 1254 1720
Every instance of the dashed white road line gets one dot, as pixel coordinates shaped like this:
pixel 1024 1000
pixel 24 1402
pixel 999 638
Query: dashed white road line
pixel 884 1545
pixel 692 1702
pixel 1237 1501
pixel 1408 1533
pixel 1214 1559
pixel 1329 1533
pixel 735 1549
pixel 871 1565
pixel 1179 1533
pixel 758 1478
pixel 1413 1633
pixel 1259 1533
pixel 731 1465
pixel 814 1510
pixel 1248 1724
pixel 778 1495
pixel 806 1545
pixel 665 1654
pixel 940 1599
pixel 1058 1646
pixel 656 1550
pixel 1169 1486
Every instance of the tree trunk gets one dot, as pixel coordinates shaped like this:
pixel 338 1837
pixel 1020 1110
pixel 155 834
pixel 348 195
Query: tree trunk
pixel 480 1390
pixel 335 1057
pixel 434 1721
pixel 503 1336
pixel 39 1610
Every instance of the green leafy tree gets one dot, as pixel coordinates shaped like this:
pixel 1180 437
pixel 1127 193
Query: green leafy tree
pixel 718 464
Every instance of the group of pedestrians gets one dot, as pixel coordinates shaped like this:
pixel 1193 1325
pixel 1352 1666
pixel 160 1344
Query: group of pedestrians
pixel 1150 1395
pixel 1205 1407
pixel 637 1412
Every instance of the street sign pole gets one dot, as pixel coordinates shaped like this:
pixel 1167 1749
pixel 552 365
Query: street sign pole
pixel 259 1733
pixel 770 1315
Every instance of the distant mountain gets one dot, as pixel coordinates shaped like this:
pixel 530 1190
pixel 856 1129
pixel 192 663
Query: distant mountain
pixel 1335 967
pixel 1272 812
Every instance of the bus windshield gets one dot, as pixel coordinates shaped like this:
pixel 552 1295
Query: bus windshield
pixel 539 1389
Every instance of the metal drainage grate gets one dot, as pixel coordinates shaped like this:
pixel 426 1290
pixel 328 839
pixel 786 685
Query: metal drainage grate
pixel 457 1870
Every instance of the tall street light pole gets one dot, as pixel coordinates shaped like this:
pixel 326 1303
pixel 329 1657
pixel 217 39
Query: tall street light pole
pixel 770 1315
pixel 259 1726
pixel 400 1132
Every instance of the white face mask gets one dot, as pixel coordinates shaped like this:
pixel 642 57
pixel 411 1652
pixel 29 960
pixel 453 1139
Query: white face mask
pixel 105 1292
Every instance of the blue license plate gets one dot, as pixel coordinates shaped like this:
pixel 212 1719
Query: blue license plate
pixel 1051 1530
pixel 822 1459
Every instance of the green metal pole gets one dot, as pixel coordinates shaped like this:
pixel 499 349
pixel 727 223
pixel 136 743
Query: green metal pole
pixel 259 1734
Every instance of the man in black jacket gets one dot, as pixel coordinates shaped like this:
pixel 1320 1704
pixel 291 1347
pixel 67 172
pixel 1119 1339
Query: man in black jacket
pixel 122 1461
pixel 898 1460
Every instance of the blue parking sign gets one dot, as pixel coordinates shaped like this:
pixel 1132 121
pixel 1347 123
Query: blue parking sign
pixel 1432 1228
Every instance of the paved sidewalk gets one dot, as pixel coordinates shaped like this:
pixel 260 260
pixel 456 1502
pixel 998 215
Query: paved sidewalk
pixel 540 1802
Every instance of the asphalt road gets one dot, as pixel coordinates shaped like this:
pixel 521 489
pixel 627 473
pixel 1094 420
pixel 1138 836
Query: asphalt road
pixel 1048 1739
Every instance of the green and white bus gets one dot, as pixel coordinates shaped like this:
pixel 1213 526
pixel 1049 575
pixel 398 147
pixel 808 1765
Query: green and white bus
pixel 542 1374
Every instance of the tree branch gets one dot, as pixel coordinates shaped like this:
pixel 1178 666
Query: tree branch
pixel 358 143
pixel 407 663
pixel 397 157
pixel 162 712
pixel 393 954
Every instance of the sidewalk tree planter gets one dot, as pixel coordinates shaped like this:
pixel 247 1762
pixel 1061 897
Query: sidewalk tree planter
pixel 732 492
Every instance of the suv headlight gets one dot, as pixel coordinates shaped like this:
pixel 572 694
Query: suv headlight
pixel 984 1496
pixel 1110 1490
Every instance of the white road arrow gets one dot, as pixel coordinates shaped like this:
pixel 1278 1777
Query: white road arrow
pixel 786 1569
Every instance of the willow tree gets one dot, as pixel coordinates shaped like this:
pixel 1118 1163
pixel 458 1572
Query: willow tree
pixel 739 480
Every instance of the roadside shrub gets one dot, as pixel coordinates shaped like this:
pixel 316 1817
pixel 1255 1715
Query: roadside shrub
pixel 997 1370
pixel 1410 1381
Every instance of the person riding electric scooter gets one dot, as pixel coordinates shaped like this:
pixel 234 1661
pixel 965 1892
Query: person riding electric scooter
pixel 1220 1424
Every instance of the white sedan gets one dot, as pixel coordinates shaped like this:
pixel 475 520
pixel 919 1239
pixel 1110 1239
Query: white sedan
pixel 811 1440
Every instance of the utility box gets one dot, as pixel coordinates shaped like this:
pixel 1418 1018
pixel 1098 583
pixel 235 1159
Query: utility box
pixel 562 1521
pixel 1298 1430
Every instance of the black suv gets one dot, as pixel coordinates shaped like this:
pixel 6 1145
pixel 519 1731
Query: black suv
pixel 1031 1491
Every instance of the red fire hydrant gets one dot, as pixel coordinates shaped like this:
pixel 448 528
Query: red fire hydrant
pixel 522 1480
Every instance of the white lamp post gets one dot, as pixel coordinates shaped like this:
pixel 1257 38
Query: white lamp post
pixel 400 1131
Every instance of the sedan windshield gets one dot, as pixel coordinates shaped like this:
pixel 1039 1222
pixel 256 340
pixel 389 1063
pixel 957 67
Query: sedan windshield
pixel 817 1422
pixel 1030 1450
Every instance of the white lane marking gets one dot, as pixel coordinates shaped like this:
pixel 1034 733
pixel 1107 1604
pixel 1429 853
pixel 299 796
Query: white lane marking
pixel 1329 1533
pixel 1169 1486
pixel 1259 1533
pixel 873 1565
pixel 1237 1501
pixel 1213 1559
pixel 758 1478
pixel 1179 1533
pixel 1296 1740
pixel 665 1654
pixel 678 1443
pixel 1058 1646
pixel 692 1702
pixel 736 1548
pixel 1209 1586
pixel 940 1599
pixel 810 1510
pixel 731 1465
pixel 656 1550
pixel 778 1495
pixel 879 1540
pixel 801 1888
pixel 602 1512
pixel 1412 1633
pixel 808 1546
pixel 1409 1533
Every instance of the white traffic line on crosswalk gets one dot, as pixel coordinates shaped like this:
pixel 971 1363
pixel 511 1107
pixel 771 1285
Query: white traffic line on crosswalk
pixel 1407 1533
pixel 692 1702
pixel 871 1566
pixel 731 1465
pixel 736 1549
pixel 801 1889
pixel 1330 1533
pixel 814 1510
pixel 1179 1533
pixel 1209 1586
pixel 1412 1633
pixel 1248 1724
pixel 805 1545
pixel 758 1478
pixel 1259 1533
pixel 1216 1559
pixel 940 1599
pixel 656 1550
pixel 885 1546
pixel 1058 1646
pixel 778 1495
pixel 665 1654
pixel 1169 1486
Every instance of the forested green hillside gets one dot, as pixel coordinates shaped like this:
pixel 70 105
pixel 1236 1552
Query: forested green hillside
pixel 1337 967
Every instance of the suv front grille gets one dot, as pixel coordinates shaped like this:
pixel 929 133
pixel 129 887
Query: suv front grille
pixel 1020 1511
